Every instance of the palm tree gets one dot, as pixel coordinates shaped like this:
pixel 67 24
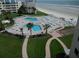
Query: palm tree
pixel 3 14
pixel 2 18
pixel 1 26
pixel 29 26
pixel 21 29
pixel 6 15
pixel 46 26
pixel 9 15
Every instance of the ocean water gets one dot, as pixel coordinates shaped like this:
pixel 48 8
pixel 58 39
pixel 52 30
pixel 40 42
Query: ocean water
pixel 60 2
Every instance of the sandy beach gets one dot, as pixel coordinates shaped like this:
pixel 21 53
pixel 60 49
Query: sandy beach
pixel 66 11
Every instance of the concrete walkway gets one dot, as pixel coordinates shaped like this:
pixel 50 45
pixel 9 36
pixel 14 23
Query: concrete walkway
pixel 24 48
pixel 64 46
pixel 47 48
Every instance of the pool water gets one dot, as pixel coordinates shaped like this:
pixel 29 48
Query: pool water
pixel 36 28
pixel 31 19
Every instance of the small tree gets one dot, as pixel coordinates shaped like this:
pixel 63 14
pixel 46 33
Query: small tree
pixel 29 26
pixel 46 26
pixel 3 14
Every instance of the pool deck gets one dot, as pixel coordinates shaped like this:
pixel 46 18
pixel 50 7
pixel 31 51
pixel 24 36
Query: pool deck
pixel 20 23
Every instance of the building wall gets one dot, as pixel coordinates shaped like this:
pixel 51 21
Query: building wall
pixel 2 0
pixel 30 4
pixel 74 51
pixel 13 7
pixel 9 1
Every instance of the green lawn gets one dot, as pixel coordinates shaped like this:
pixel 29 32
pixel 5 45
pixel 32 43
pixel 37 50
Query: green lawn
pixel 55 48
pixel 67 40
pixel 12 21
pixel 36 46
pixel 39 13
pixel 69 27
pixel 14 15
pixel 10 46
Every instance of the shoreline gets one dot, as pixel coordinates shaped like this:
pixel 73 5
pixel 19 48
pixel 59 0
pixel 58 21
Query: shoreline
pixel 58 5
pixel 59 11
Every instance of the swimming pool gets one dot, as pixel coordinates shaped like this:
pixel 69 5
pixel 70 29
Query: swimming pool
pixel 31 19
pixel 36 28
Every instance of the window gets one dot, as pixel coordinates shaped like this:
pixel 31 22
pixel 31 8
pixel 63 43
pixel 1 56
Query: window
pixel 7 1
pixel 29 0
pixel 76 52
pixel 12 1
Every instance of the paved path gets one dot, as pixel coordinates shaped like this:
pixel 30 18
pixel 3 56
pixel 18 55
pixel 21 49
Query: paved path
pixel 64 46
pixel 24 48
pixel 47 48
